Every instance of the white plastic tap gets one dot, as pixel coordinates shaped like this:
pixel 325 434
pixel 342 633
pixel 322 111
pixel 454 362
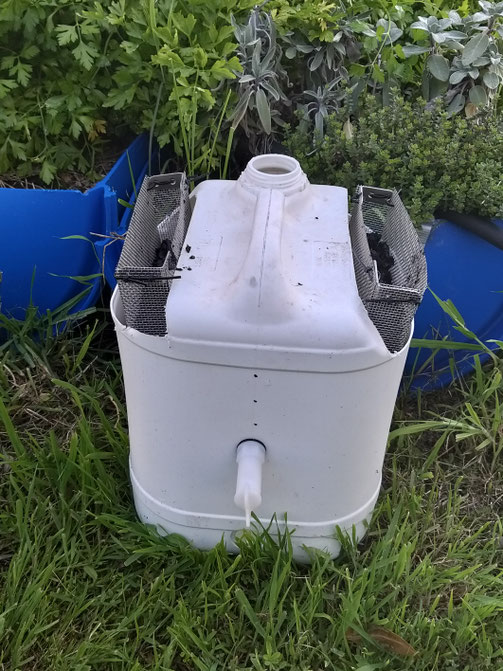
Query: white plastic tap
pixel 250 456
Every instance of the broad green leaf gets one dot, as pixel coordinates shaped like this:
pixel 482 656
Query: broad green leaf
pixel 389 30
pixel 263 110
pixel 457 77
pixel 474 48
pixel 455 18
pixel 22 72
pixel 200 57
pixel 399 51
pixel 85 54
pixel 18 149
pixel 305 48
pixel 316 61
pixel 421 24
pixel 167 57
pixel 439 67
pixel 414 50
pixel 66 34
pixel 6 85
pixel 478 96
pixel 55 102
pixel 437 88
pixel 224 33
pixel 129 47
pixel 30 51
pixel 47 172
pixel 118 98
pixel 234 64
pixel 206 96
pixel 357 70
pixel 456 104
pixel 457 35
pixel 185 24
pixel 75 128
pixel 481 62
pixel 378 74
pixel 7 62
pixel 491 80
pixel 362 27
pixel 221 70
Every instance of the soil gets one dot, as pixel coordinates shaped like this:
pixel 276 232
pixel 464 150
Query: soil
pixel 381 254
pixel 66 180
pixel 161 254
pixel 73 179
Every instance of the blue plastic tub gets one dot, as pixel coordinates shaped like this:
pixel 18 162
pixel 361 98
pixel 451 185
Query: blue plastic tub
pixel 36 262
pixel 467 270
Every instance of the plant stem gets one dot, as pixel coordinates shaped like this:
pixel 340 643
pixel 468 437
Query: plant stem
pixel 217 131
pixel 152 126
pixel 228 150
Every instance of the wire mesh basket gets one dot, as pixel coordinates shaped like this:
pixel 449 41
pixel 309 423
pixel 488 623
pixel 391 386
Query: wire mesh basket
pixel 389 263
pixel 149 258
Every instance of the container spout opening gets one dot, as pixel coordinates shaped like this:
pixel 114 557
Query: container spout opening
pixel 250 456
pixel 274 171
pixel 274 164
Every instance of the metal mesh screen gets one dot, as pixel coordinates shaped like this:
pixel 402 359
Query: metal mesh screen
pixel 389 263
pixel 154 240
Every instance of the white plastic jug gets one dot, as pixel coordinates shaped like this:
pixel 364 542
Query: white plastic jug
pixel 272 391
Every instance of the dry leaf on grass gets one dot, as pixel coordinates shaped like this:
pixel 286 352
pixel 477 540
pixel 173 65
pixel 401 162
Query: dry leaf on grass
pixel 386 638
pixel 352 636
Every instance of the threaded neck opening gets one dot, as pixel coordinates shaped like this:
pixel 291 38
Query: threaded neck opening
pixel 274 171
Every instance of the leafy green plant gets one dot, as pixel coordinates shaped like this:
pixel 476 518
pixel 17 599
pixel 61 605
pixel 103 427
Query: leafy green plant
pixel 325 54
pixel 87 73
pixel 261 82
pixel 435 161
pixel 54 74
pixel 90 71
pixel 380 70
pixel 172 79
pixel 355 44
pixel 465 57
pixel 320 103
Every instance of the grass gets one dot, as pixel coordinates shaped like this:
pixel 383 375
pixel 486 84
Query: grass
pixel 86 587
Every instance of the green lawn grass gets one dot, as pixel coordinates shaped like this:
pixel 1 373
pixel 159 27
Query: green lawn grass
pixel 86 587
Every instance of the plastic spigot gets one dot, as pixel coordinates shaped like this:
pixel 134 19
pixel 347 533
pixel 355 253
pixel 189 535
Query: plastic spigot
pixel 250 456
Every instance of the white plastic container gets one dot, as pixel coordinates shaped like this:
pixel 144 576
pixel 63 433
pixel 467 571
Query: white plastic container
pixel 269 349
